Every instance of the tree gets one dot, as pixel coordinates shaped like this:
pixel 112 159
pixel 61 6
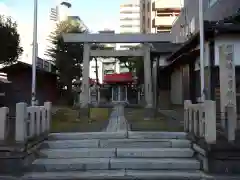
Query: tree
pixel 10 41
pixel 134 64
pixel 131 62
pixel 95 47
pixel 67 57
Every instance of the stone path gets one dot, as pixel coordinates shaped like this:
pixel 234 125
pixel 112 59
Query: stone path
pixel 117 121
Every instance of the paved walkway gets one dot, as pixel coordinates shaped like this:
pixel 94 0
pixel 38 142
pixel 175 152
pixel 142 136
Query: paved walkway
pixel 117 121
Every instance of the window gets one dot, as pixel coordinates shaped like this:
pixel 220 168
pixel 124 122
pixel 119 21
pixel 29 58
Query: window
pixel 129 5
pixel 176 40
pixel 186 30
pixel 94 67
pixel 130 19
pixel 148 7
pixel 129 26
pixel 192 25
pixel 182 32
pixel 39 63
pixel 46 65
pixel 109 72
pixel 211 2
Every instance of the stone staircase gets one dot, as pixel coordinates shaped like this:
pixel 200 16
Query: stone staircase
pixel 116 155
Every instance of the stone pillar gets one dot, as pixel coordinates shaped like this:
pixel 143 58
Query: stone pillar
pixel 126 93
pixel 228 90
pixel 139 96
pixel 119 93
pixel 4 118
pixel 113 94
pixel 154 82
pixel 48 106
pixel 85 85
pixel 147 77
pixel 99 95
pixel 20 126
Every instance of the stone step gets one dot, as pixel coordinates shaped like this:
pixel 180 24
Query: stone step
pixel 145 143
pixel 78 164
pixel 154 152
pixel 117 135
pixel 117 152
pixel 117 174
pixel 87 135
pixel 156 135
pixel 62 144
pixel 118 143
pixel 78 153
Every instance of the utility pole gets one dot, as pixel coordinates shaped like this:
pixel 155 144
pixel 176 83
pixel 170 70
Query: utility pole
pixel 34 53
pixel 202 39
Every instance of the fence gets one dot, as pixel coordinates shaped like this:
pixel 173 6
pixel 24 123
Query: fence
pixel 200 119
pixel 30 121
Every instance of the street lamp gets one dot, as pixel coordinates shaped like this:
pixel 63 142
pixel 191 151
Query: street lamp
pixel 34 53
pixel 202 39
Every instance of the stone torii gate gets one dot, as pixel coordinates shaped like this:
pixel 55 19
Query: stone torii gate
pixel 145 39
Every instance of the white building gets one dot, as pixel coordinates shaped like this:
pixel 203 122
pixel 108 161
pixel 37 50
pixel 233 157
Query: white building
pixel 92 69
pixel 129 19
pixel 104 65
pixel 158 15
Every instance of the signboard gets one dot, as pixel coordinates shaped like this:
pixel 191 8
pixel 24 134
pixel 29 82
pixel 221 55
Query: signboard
pixel 230 71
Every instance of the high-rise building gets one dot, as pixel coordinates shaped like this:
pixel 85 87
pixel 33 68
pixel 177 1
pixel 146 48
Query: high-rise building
pixel 159 15
pixel 61 11
pixel 129 19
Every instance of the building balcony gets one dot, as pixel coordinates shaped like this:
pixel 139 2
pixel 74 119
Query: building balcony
pixel 163 21
pixel 166 4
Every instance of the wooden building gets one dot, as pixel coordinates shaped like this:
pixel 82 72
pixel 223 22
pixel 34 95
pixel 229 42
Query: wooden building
pixel 18 89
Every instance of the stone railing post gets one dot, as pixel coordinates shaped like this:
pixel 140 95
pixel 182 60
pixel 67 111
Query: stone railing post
pixel 48 106
pixel 32 120
pixel 37 125
pixel 187 103
pixel 231 122
pixel 210 121
pixel 3 122
pixel 20 126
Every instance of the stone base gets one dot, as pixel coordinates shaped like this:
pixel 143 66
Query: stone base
pixel 16 158
pixel 16 165
pixel 220 158
pixel 84 112
pixel 149 113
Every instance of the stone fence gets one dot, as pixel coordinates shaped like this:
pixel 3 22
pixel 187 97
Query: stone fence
pixel 30 122
pixel 200 120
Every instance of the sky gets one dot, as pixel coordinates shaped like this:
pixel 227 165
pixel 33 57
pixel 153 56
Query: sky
pixel 96 14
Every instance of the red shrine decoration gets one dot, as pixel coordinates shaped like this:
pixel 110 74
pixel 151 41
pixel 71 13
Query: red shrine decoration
pixel 118 78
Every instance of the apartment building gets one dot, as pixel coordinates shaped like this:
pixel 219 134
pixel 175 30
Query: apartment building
pixel 129 19
pixel 213 10
pixel 159 15
pixel 61 11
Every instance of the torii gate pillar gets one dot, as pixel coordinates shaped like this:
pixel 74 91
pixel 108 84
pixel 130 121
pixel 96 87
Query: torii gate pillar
pixel 85 81
pixel 148 93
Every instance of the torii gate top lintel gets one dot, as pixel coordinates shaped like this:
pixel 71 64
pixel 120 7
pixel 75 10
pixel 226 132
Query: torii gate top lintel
pixel 117 38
